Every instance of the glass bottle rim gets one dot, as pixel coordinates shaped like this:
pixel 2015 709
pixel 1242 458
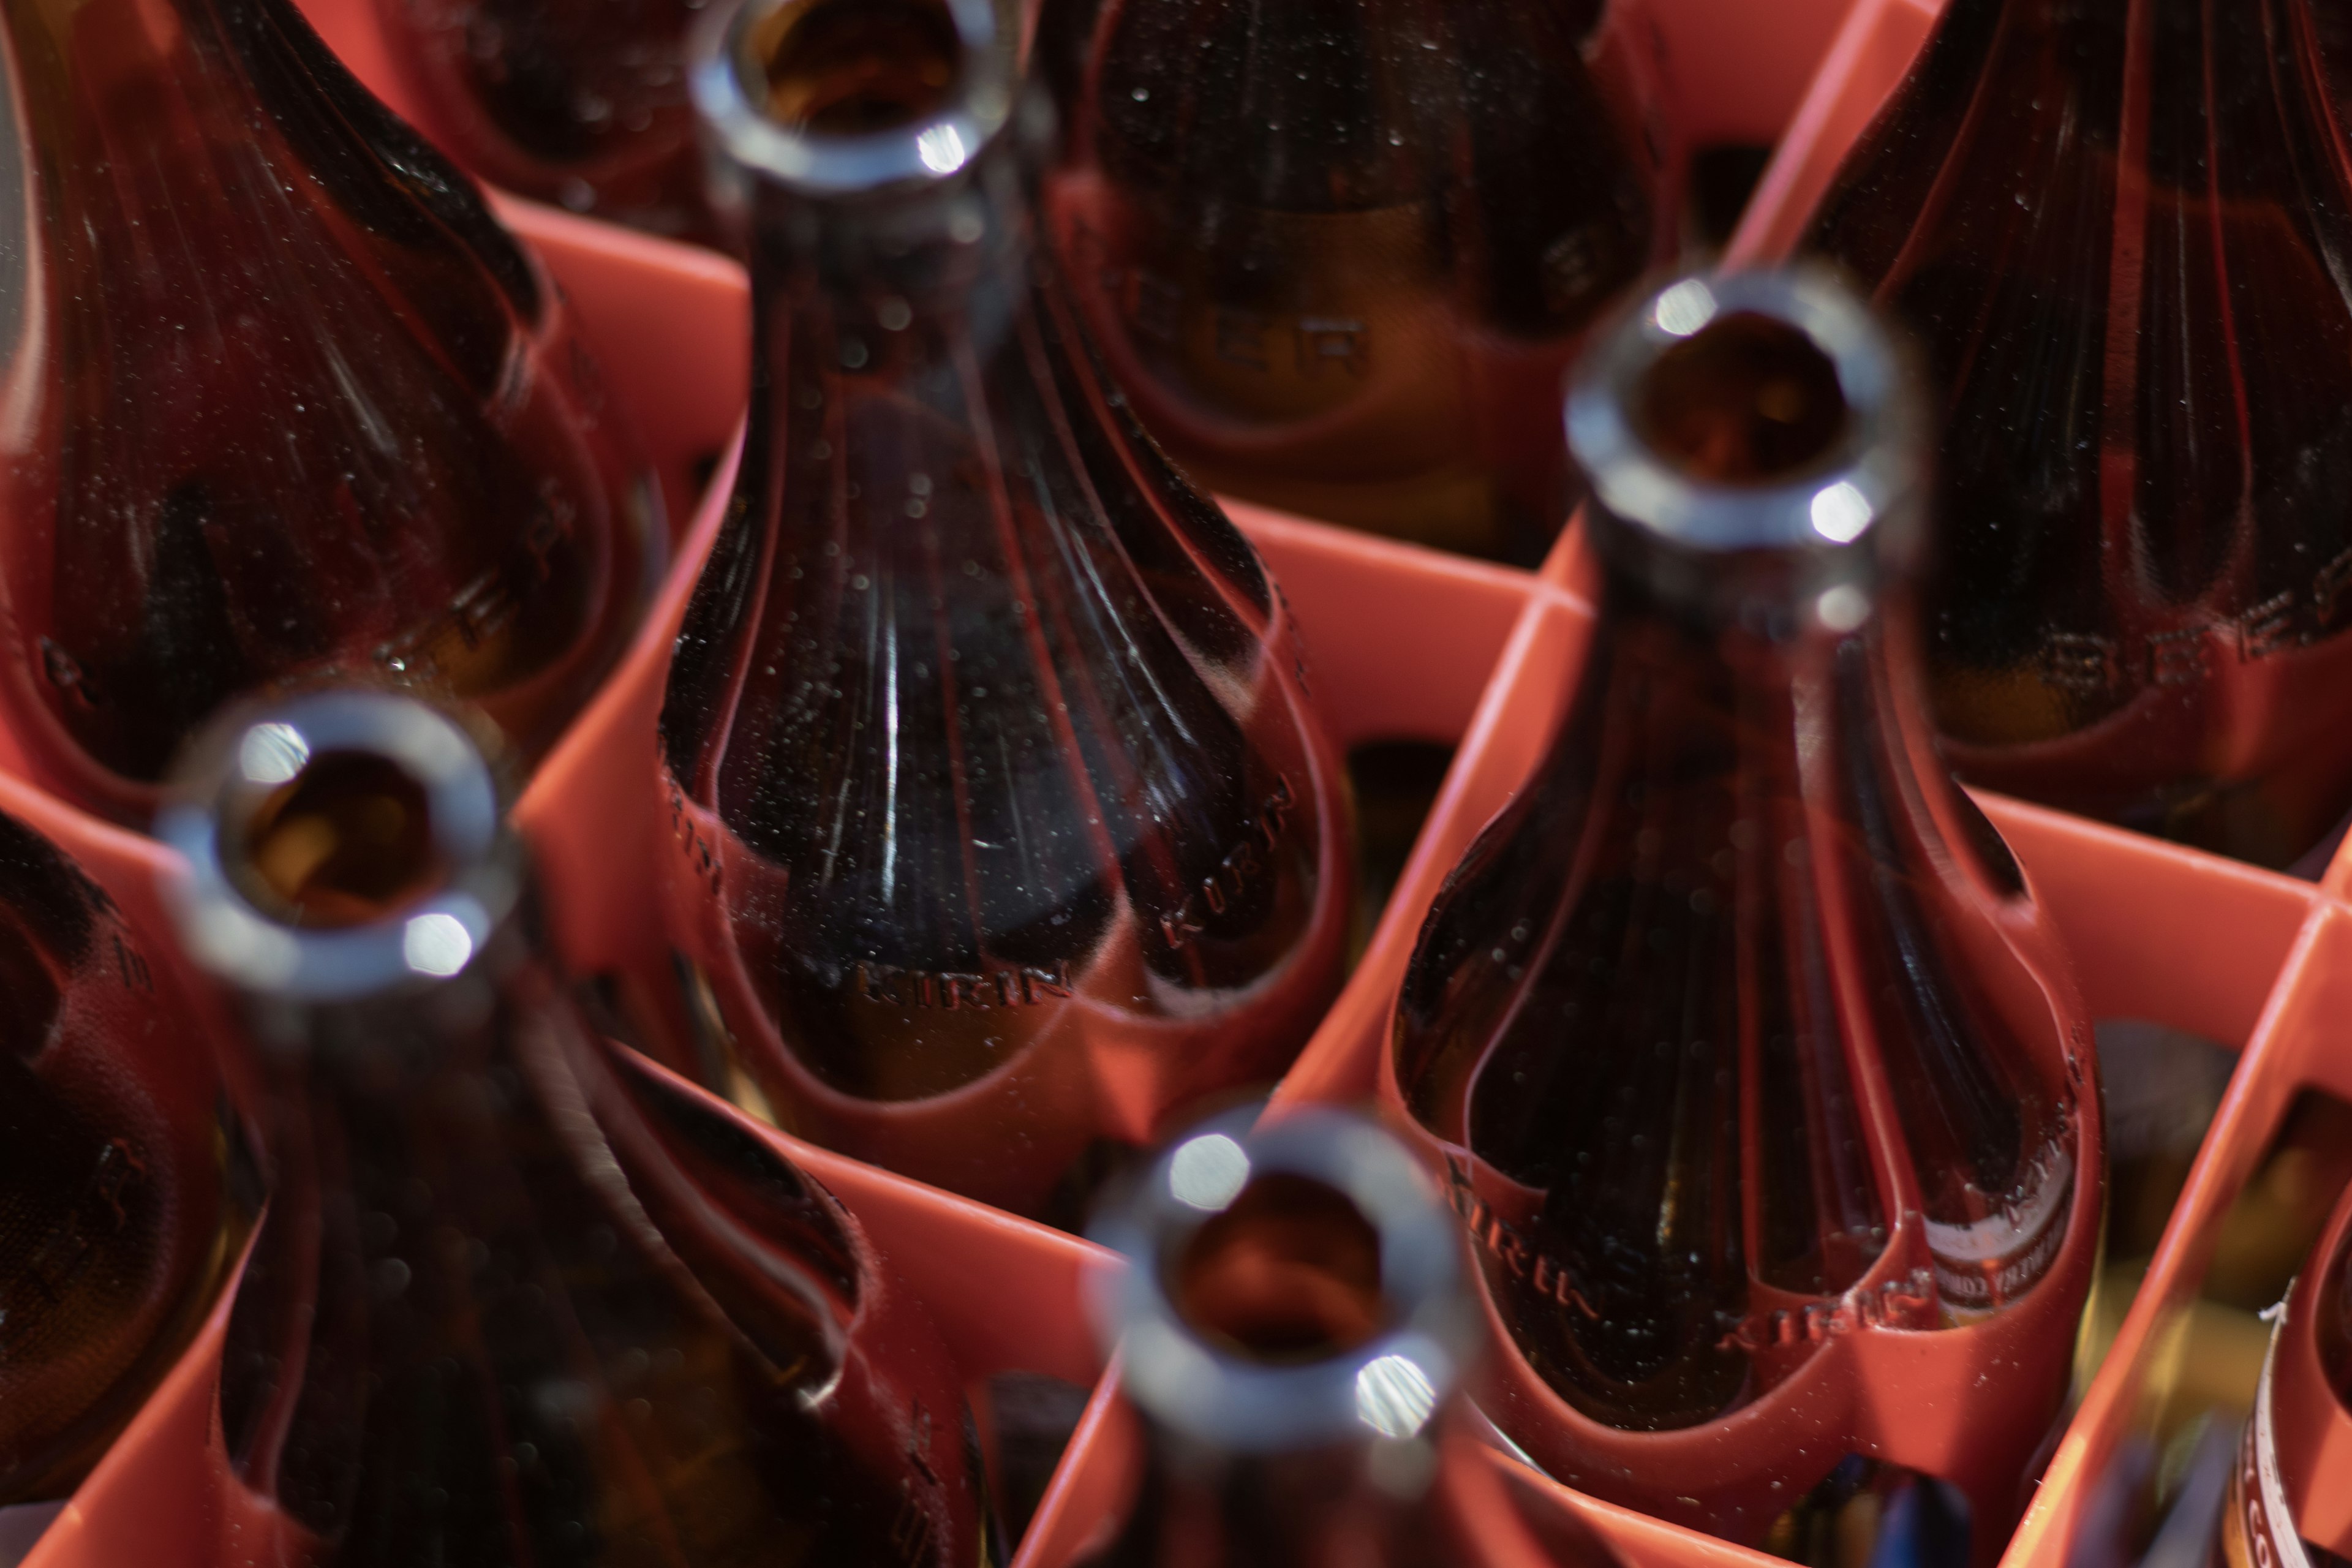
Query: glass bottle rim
pixel 1388 1385
pixel 975 107
pixel 1858 490
pixel 229 777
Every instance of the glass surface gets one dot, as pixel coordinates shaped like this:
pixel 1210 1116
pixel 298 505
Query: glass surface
pixel 121 1204
pixel 1338 251
pixel 2288 1461
pixel 285 401
pixel 582 102
pixel 2188 1396
pixel 1718 1026
pixel 520 1298
pixel 1287 1276
pixel 1002 828
pixel 2117 230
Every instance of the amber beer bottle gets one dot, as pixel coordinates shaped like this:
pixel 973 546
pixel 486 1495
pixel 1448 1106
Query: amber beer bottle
pixel 1292 1329
pixel 1340 253
pixel 1738 1032
pixel 283 399
pixel 521 1297
pixel 1001 826
pixel 2289 1501
pixel 577 101
pixel 2117 227
pixel 126 1186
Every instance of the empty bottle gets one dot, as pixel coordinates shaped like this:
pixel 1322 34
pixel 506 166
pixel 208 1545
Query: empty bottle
pixel 1294 1329
pixel 2287 1503
pixel 521 1297
pixel 1738 1033
pixel 1002 829
pixel 126 1183
pixel 2117 228
pixel 1339 253
pixel 286 401
pixel 582 103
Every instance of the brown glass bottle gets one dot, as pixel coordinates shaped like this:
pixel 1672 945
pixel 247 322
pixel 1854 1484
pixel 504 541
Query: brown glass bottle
pixel 1292 1329
pixel 285 400
pixel 579 102
pixel 521 1297
pixel 2287 1505
pixel 1339 251
pixel 2115 228
pixel 1003 829
pixel 125 1185
pixel 1738 1031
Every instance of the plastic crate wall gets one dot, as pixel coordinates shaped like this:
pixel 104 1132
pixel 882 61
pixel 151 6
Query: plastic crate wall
pixel 1406 644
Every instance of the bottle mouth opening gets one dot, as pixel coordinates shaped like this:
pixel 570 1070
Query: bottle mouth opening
pixel 1288 1272
pixel 1757 410
pixel 840 96
pixel 1290 1285
pixel 337 845
pixel 346 841
pixel 1747 400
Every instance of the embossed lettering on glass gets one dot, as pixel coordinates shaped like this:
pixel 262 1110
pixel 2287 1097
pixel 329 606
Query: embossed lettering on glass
pixel 1001 826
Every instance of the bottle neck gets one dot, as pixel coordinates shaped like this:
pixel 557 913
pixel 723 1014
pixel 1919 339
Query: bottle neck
pixel 1362 1498
pixel 1774 702
pixel 890 292
pixel 1782 598
pixel 489 1084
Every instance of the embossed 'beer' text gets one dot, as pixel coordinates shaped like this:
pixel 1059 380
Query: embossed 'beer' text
pixel 957 991
pixel 1242 867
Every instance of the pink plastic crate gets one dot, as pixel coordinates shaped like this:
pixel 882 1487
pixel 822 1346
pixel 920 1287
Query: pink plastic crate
pixel 1406 644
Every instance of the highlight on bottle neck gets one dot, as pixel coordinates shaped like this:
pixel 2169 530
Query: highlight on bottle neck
pixel 839 98
pixel 1758 429
pixel 339 845
pixel 1292 1287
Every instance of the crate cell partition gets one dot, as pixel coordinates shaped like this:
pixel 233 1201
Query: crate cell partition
pixel 1406 644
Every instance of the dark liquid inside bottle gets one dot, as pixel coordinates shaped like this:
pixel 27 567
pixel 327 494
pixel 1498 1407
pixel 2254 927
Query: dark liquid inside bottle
pixel 1340 251
pixel 2115 234
pixel 117 1214
pixel 525 1298
pixel 1723 994
pixel 584 103
pixel 292 403
pixel 985 740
